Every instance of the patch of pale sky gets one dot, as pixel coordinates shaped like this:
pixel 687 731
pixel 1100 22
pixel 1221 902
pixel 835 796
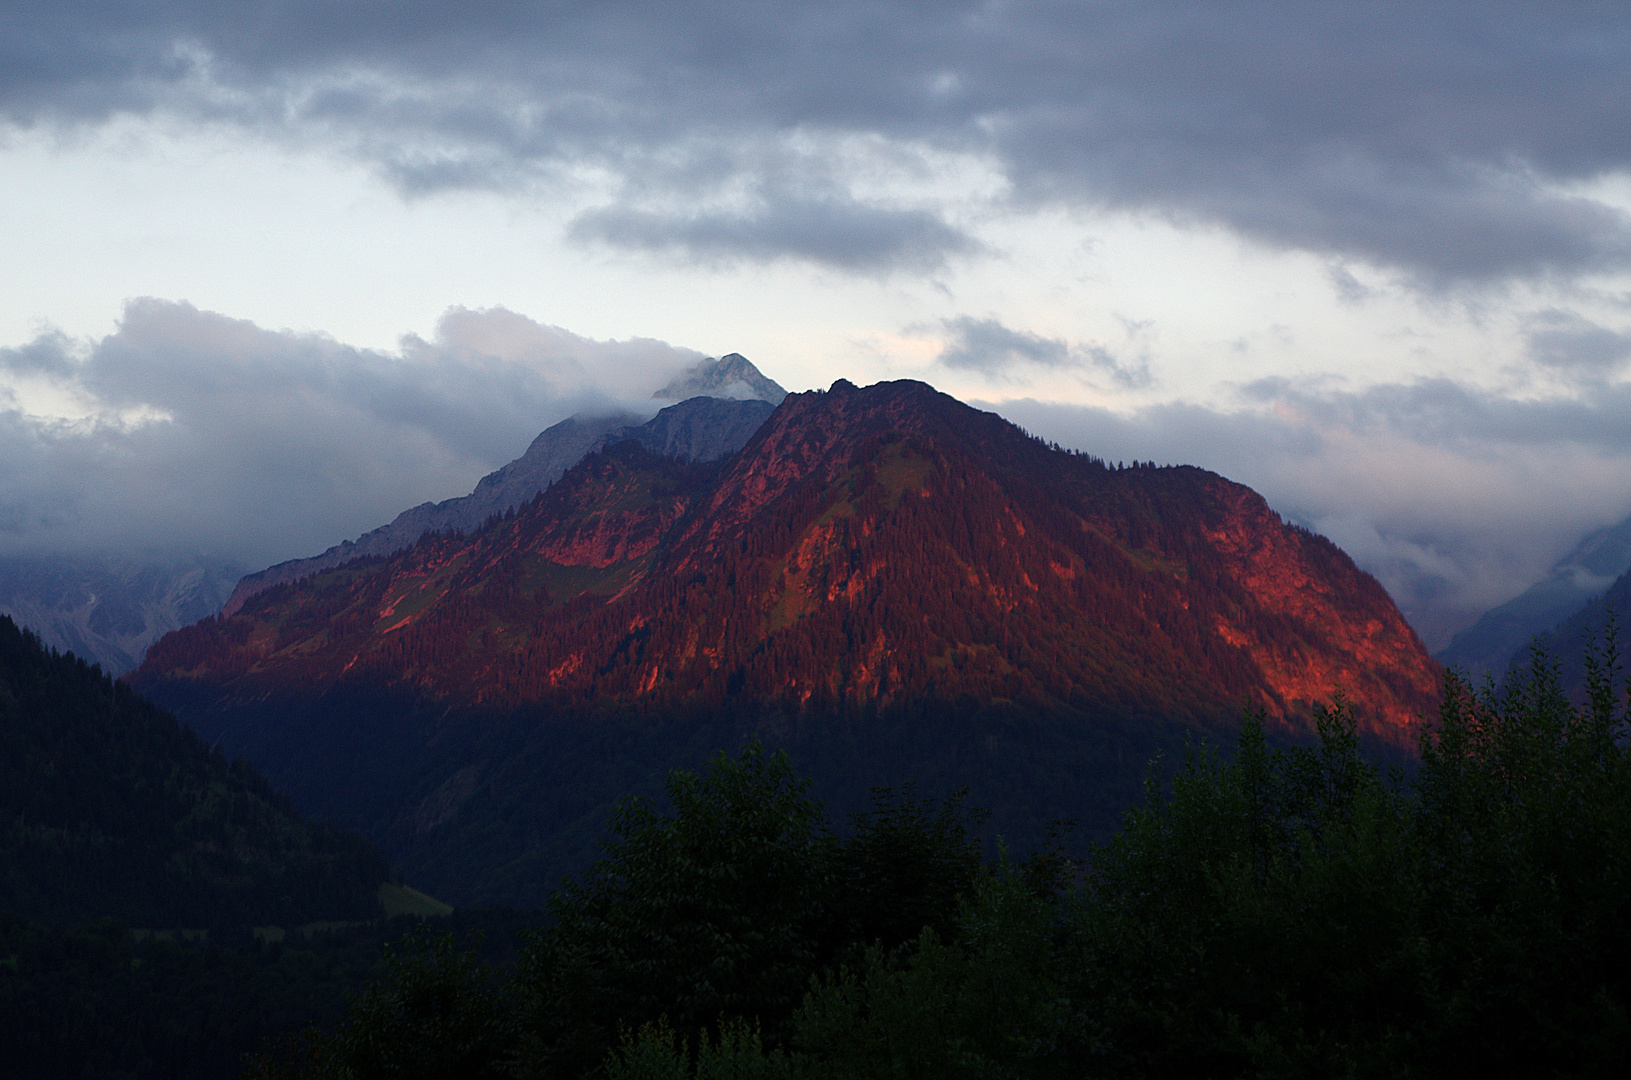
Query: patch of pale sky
pixel 1213 313
pixel 45 398
pixel 308 241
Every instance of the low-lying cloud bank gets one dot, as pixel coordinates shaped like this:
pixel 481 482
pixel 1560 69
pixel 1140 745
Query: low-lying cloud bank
pixel 1454 498
pixel 189 431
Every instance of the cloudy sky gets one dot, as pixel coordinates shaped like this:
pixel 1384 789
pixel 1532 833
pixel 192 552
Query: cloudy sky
pixel 278 270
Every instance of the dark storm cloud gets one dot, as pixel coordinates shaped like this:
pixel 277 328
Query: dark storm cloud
pixel 1455 498
pixel 214 435
pixel 46 355
pixel 839 233
pixel 989 347
pixel 1568 341
pixel 1446 141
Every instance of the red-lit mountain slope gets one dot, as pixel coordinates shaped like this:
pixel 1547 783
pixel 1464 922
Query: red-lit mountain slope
pixel 869 547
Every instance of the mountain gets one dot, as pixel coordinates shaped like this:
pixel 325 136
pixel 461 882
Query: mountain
pixel 1489 645
pixel 698 429
pixel 109 609
pixel 731 376
pixel 885 580
pixel 1565 642
pixel 109 808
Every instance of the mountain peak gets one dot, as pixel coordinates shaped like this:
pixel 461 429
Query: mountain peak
pixel 730 376
pixel 883 579
pixel 872 544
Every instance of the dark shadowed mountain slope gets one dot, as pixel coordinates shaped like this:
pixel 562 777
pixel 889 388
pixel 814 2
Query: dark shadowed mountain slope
pixel 885 560
pixel 699 429
pixel 108 807
pixel 1490 644
pixel 1567 641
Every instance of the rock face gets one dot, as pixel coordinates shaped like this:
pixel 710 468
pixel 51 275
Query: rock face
pixel 731 376
pixel 869 554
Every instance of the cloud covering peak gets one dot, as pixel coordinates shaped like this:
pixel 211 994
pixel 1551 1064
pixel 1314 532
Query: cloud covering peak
pixel 203 433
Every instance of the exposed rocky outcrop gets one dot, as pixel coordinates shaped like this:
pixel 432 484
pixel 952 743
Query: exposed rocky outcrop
pixel 731 376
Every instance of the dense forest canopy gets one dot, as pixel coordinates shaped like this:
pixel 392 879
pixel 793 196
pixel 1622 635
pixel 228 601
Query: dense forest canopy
pixel 162 910
pixel 1276 912
pixel 109 808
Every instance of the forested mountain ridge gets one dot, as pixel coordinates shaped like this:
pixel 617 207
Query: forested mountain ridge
pixel 1588 626
pixel 866 547
pixel 109 808
pixel 888 583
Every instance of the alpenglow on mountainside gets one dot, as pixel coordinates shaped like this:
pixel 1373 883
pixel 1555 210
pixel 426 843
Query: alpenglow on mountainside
pixel 882 572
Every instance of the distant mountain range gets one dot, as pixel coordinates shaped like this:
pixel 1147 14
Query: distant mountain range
pixel 109 609
pixel 889 582
pixel 1578 579
pixel 1566 642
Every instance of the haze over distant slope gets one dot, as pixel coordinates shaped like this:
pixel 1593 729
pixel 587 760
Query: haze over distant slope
pixel 702 428
pixel 109 609
pixel 893 583
pixel 1490 644
pixel 1566 641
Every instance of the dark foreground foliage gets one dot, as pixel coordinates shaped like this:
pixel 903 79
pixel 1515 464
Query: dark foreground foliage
pixel 724 907
pixel 94 1001
pixel 1280 913
pixel 110 809
pixel 103 1001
